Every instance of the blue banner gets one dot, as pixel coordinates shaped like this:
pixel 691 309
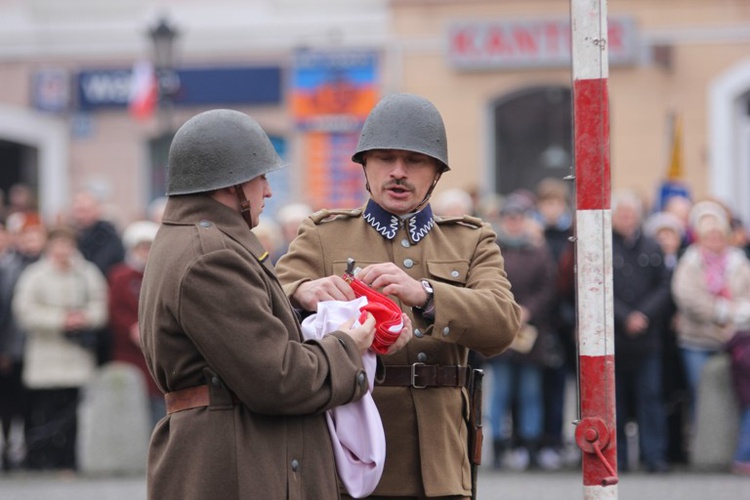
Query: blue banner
pixel 110 88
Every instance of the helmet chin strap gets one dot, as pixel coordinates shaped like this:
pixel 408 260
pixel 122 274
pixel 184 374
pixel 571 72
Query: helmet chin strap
pixel 367 181
pixel 424 201
pixel 421 204
pixel 244 205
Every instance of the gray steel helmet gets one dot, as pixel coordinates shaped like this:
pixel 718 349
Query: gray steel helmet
pixel 407 122
pixel 218 149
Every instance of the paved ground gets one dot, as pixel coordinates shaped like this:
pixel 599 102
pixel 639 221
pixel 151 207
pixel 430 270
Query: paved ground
pixel 680 485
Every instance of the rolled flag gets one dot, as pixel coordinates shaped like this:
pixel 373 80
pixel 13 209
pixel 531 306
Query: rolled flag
pixel 387 314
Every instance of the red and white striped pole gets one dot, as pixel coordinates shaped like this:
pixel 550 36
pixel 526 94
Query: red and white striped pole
pixel 595 429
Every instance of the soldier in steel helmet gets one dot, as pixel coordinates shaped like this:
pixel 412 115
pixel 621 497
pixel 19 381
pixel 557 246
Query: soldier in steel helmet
pixel 246 397
pixel 447 274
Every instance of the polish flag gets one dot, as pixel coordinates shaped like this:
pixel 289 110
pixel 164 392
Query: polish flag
pixel 143 91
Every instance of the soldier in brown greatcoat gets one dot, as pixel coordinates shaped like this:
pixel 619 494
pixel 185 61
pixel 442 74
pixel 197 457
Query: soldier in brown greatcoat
pixel 447 274
pixel 245 395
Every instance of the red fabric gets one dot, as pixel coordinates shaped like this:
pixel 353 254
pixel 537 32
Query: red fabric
pixel 124 290
pixel 143 91
pixel 386 312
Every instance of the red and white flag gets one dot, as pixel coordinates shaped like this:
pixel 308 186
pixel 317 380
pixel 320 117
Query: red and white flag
pixel 143 90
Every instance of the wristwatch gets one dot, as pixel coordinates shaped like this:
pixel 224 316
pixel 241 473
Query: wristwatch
pixel 430 293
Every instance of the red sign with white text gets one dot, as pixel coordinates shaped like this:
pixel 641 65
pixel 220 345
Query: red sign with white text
pixel 535 43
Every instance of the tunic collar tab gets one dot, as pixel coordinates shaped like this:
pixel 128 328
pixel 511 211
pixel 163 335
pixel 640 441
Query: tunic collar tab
pixel 387 224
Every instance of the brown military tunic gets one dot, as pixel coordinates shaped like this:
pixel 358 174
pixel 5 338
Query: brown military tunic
pixel 212 311
pixel 426 431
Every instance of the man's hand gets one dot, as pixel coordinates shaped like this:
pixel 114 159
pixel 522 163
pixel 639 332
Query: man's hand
pixel 636 323
pixel 403 338
pixel 363 335
pixel 309 293
pixel 390 279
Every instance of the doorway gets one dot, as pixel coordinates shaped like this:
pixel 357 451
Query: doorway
pixel 18 166
pixel 533 136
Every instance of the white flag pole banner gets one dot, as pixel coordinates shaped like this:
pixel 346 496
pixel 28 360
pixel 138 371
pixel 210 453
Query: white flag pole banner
pixel 356 429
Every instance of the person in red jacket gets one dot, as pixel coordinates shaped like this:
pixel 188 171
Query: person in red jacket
pixel 124 290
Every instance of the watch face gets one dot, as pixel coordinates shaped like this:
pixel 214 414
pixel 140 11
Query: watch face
pixel 427 287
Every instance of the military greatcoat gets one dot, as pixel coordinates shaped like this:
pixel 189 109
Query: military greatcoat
pixel 213 312
pixel 426 431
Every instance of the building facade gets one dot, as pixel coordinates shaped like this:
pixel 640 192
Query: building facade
pixel 499 71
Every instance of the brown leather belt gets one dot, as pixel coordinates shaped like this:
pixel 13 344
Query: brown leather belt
pixel 192 397
pixel 420 376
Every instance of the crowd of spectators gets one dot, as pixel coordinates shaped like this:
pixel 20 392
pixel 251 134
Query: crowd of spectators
pixel 69 296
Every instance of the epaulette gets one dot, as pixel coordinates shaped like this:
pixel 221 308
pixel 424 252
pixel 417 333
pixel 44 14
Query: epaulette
pixel 326 215
pixel 211 239
pixel 463 220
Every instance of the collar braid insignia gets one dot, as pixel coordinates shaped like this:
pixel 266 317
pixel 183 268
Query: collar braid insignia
pixel 420 226
pixel 387 224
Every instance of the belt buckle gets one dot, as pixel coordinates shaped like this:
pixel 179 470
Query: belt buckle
pixel 414 376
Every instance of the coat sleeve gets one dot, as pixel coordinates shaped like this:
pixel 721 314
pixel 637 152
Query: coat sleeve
pixel 655 303
pixel 303 261
pixel 238 333
pixel 482 315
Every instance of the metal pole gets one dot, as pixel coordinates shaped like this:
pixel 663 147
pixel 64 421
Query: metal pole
pixel 595 429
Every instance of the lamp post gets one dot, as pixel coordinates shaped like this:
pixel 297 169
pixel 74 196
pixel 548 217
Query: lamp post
pixel 163 36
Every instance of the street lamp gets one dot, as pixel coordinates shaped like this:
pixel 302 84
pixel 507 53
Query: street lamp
pixel 163 36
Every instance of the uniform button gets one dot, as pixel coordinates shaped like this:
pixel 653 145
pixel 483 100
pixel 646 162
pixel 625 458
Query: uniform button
pixel 421 357
pixel 204 223
pixel 361 378
pixel 455 274
pixel 418 333
pixel 405 243
pixel 295 465
pixel 446 331
pixel 408 263
pixel 216 382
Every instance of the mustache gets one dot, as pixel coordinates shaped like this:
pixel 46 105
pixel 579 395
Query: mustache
pixel 402 183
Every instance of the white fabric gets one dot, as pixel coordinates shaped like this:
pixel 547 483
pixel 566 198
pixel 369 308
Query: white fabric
pixel 356 429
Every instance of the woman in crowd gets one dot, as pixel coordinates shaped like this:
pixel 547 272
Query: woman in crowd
pixel 59 301
pixel 711 287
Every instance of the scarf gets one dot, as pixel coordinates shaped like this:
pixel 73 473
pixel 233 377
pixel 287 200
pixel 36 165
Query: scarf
pixel 714 271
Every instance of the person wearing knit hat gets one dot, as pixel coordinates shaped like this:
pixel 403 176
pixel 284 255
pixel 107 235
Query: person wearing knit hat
pixel 289 218
pixel 453 203
pixel 668 230
pixel 711 209
pixel 124 291
pixel 711 287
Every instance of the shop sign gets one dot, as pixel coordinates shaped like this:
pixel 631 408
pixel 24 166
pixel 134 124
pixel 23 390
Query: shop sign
pixel 530 43
pixel 110 88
